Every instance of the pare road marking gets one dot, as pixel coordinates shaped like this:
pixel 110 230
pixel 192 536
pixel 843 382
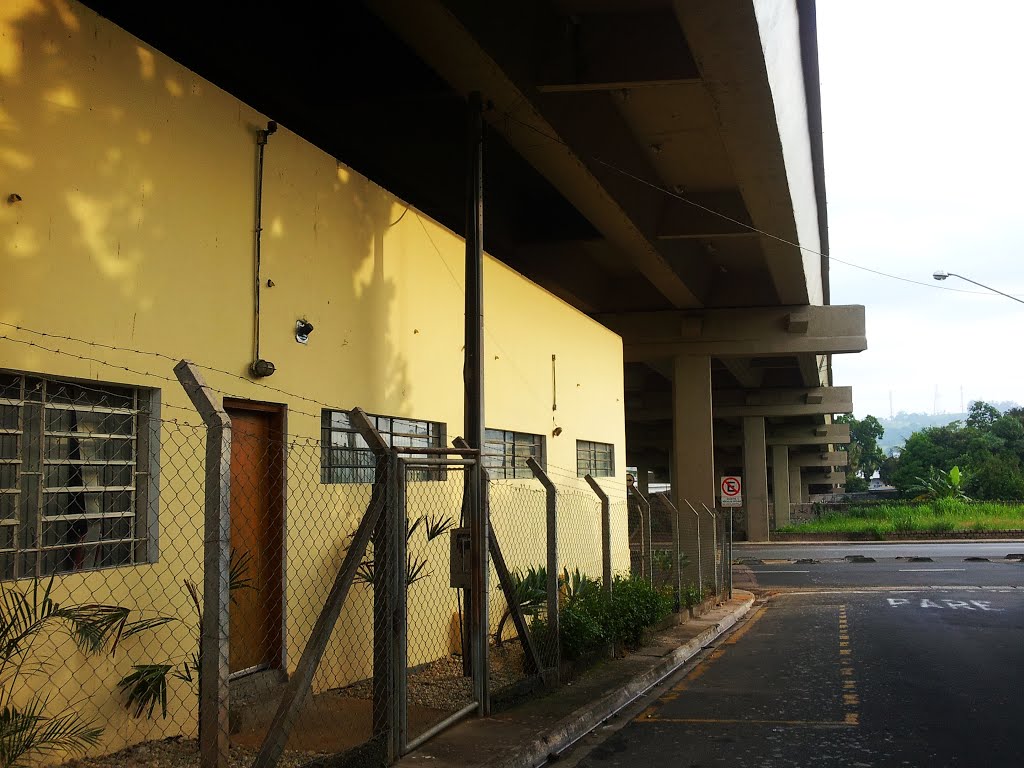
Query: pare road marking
pixel 952 605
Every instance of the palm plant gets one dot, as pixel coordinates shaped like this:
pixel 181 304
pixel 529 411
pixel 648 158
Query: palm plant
pixel 531 592
pixel 145 687
pixel 415 567
pixel 941 485
pixel 28 728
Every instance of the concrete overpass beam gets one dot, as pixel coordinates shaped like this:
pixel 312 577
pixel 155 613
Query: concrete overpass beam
pixel 757 332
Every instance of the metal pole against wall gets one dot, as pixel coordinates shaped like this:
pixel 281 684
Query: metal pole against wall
pixel 552 554
pixel 214 728
pixel 473 376
pixel 700 568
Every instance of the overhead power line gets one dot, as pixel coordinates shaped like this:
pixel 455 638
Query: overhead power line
pixel 678 196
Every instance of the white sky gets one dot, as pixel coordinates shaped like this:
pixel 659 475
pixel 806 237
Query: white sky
pixel 923 113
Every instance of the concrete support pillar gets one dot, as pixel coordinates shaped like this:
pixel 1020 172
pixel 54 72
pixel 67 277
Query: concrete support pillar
pixel 693 467
pixel 795 486
pixel 780 484
pixel 755 478
pixel 693 470
pixel 805 490
pixel 642 479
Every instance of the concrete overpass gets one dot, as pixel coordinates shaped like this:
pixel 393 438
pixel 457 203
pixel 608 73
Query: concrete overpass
pixel 656 163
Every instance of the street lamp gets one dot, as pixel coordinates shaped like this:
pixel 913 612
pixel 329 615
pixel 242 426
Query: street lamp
pixel 941 275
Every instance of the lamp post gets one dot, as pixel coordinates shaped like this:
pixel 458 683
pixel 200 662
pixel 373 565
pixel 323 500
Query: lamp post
pixel 942 275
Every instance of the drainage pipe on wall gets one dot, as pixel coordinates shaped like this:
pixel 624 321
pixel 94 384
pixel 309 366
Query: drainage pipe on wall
pixel 260 367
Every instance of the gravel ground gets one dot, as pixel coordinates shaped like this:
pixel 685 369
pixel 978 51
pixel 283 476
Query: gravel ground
pixel 438 685
pixel 179 753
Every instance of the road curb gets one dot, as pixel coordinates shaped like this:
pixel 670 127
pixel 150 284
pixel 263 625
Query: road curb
pixel 571 728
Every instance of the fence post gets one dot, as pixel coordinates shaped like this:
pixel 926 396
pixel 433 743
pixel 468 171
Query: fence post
pixel 700 567
pixel 552 557
pixel 213 649
pixel 714 546
pixel 480 532
pixel 730 553
pixel 606 533
pixel 677 554
pixel 646 539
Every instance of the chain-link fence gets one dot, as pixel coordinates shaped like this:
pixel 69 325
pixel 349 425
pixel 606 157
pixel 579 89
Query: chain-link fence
pixel 115 509
pixel 245 588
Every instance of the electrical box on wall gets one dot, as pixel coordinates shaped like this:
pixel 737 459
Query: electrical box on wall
pixel 460 562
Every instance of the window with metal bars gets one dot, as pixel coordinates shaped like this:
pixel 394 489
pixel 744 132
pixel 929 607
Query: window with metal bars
pixel 78 476
pixel 595 459
pixel 505 453
pixel 346 458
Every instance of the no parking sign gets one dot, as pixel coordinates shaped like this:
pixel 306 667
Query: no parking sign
pixel 732 491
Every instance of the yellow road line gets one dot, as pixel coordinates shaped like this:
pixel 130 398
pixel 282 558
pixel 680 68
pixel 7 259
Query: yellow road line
pixel 740 721
pixel 735 636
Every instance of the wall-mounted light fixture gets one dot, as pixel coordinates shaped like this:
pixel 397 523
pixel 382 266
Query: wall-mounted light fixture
pixel 302 330
pixel 262 368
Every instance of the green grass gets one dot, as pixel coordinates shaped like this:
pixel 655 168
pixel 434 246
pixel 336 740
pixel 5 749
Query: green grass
pixel 941 516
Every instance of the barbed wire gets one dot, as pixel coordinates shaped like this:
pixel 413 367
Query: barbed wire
pixel 150 374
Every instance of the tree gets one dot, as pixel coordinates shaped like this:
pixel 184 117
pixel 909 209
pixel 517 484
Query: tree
pixel 981 415
pixel 865 455
pixel 989 447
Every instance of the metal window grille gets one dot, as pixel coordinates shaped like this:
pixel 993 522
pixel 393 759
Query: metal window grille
pixel 505 453
pixel 595 459
pixel 76 471
pixel 346 458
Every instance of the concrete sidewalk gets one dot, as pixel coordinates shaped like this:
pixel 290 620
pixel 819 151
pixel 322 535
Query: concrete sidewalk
pixel 526 734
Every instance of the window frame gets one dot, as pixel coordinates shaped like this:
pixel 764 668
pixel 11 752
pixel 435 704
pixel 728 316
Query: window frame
pixel 588 455
pixel 48 415
pixel 365 472
pixel 507 469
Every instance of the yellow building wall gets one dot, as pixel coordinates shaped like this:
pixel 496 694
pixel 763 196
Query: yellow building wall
pixel 135 229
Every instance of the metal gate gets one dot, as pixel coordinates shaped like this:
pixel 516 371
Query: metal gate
pixel 441 595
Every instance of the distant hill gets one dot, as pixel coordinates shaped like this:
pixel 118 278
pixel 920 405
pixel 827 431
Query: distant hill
pixel 903 425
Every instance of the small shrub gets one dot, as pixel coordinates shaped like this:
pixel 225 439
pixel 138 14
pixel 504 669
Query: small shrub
pixel 581 627
pixel 589 619
pixel 692 595
pixel 635 605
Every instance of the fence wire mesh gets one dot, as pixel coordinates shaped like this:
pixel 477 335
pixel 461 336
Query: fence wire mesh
pixel 104 532
pixel 519 528
pixel 439 681
pixel 103 509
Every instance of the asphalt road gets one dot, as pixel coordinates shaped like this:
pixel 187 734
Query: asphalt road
pixel 969 564
pixel 991 549
pixel 846 670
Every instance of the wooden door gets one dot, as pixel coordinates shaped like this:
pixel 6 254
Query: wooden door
pixel 257 536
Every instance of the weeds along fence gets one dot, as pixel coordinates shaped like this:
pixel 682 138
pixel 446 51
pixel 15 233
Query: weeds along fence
pixel 213 574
